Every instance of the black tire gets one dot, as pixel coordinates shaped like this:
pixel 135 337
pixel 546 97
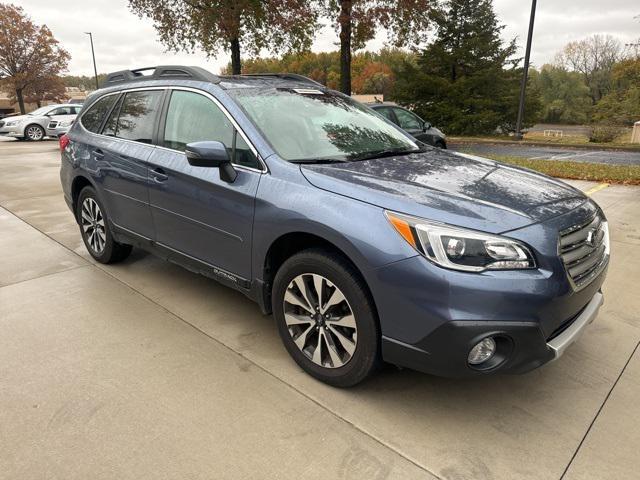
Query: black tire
pixel 111 251
pixel 34 126
pixel 339 272
pixel 441 144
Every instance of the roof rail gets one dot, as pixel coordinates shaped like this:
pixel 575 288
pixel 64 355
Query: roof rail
pixel 285 76
pixel 161 72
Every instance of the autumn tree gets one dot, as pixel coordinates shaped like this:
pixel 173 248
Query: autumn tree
pixel 594 58
pixel 235 26
pixel 45 89
pixel 357 21
pixel 28 53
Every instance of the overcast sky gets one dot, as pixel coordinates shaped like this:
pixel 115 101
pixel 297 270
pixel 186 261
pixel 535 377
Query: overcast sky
pixel 122 40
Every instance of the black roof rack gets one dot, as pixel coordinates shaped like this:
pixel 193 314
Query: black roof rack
pixel 285 76
pixel 161 72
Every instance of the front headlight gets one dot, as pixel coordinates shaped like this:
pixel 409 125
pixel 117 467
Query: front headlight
pixel 11 123
pixel 459 248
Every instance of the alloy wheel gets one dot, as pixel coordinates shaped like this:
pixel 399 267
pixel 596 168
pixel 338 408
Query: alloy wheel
pixel 92 223
pixel 320 320
pixel 34 133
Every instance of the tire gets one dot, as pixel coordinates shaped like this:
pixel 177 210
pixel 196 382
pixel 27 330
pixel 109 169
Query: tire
pixel 96 230
pixel 329 344
pixel 34 132
pixel 441 145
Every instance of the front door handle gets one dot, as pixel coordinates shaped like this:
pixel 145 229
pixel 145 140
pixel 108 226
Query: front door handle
pixel 159 175
pixel 98 153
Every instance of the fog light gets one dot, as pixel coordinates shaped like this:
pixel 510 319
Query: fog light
pixel 482 351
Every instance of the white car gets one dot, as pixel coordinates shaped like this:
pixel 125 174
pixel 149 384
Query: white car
pixel 52 121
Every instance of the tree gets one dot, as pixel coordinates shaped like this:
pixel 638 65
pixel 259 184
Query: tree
pixel 467 79
pixel 622 105
pixel 563 94
pixel 593 57
pixel 356 22
pixel 233 25
pixel 51 89
pixel 28 53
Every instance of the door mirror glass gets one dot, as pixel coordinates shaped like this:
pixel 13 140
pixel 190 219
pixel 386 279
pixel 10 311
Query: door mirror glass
pixel 211 154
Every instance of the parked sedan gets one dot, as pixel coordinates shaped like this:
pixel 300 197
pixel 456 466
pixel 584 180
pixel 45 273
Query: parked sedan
pixel 45 121
pixel 411 123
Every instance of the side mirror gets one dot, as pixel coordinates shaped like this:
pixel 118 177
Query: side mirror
pixel 212 155
pixel 427 126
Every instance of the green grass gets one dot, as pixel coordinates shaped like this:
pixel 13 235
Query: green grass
pixel 595 172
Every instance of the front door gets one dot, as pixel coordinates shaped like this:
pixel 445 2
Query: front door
pixel 412 124
pixel 195 212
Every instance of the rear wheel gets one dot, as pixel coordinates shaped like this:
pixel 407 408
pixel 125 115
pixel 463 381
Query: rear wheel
pixel 326 318
pixel 95 229
pixel 34 133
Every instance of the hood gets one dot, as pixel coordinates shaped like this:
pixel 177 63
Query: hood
pixel 449 187
pixel 14 118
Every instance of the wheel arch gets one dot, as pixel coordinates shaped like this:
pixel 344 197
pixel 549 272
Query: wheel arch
pixel 79 182
pixel 288 244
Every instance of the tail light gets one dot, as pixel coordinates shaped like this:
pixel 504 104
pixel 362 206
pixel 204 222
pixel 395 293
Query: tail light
pixel 64 141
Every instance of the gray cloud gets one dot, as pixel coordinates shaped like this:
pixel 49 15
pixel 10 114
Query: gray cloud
pixel 122 40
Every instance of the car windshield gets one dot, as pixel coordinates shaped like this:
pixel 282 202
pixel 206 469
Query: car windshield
pixel 306 124
pixel 40 111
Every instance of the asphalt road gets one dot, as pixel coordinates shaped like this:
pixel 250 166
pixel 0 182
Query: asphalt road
pixel 145 370
pixel 614 157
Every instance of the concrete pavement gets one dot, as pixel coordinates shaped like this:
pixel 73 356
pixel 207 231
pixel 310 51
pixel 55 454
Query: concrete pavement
pixel 145 370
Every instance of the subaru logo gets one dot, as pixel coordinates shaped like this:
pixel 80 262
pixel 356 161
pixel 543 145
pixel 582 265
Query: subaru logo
pixel 590 237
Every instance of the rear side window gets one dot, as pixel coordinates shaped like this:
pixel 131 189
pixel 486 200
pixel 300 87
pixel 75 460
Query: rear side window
pixel 112 122
pixel 192 117
pixel 137 116
pixel 92 118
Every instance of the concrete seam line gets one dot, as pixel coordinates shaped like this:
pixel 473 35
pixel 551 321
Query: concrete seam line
pixel 599 411
pixel 44 276
pixel 272 375
pixel 597 188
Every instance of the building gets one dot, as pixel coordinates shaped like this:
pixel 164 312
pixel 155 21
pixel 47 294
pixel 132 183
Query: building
pixel 8 107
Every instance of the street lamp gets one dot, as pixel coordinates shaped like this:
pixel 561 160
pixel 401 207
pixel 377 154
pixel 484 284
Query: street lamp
pixel 95 70
pixel 525 73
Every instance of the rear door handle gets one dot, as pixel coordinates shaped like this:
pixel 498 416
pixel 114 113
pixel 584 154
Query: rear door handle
pixel 98 153
pixel 159 175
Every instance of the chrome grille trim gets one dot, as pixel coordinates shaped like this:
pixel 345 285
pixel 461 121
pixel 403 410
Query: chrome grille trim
pixel 584 250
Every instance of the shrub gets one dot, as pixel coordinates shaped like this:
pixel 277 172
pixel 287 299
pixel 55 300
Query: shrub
pixel 605 133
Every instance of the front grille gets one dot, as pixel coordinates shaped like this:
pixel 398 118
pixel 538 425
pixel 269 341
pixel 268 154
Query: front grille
pixel 584 250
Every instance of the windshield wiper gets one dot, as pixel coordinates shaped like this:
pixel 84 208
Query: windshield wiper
pixel 316 161
pixel 383 154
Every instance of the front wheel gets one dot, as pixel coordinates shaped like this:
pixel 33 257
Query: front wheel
pixel 34 133
pixel 326 318
pixel 96 231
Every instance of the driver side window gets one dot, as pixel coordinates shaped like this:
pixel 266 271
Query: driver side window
pixel 192 117
pixel 407 120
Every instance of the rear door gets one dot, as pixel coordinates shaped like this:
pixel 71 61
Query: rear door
pixel 121 159
pixel 194 211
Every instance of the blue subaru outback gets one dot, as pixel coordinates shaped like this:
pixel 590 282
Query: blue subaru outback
pixel 366 245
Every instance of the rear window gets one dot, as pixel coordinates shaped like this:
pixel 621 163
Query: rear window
pixel 92 118
pixel 137 115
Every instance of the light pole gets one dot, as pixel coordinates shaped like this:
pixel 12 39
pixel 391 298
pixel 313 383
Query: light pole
pixel 95 70
pixel 525 73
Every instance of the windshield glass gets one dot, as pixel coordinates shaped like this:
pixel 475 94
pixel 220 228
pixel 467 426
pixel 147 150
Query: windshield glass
pixel 40 111
pixel 307 124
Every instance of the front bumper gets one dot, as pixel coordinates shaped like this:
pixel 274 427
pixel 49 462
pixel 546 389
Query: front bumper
pixel 57 131
pixel 12 131
pixel 522 346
